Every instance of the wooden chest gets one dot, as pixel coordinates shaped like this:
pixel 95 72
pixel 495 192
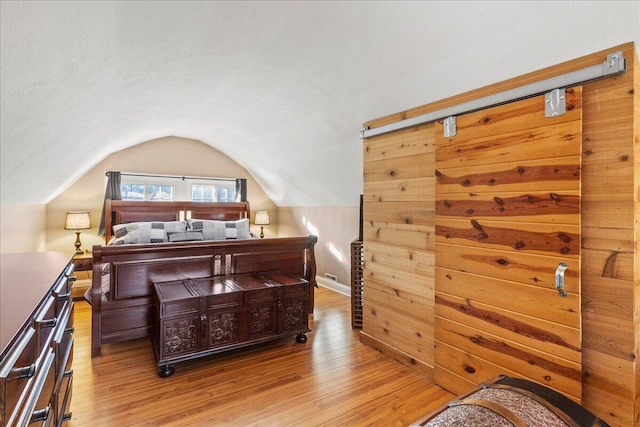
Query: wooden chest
pixel 198 317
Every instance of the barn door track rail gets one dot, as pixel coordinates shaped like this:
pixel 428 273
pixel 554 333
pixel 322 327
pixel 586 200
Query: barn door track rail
pixel 614 65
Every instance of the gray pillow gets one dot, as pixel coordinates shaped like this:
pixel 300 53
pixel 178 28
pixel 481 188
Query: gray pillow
pixel 221 230
pixel 185 236
pixel 146 232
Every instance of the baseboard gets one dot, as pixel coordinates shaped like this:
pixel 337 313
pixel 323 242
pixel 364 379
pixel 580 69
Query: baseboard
pixel 396 354
pixel 333 285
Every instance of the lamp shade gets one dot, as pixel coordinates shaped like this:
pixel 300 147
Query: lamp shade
pixel 77 221
pixel 262 218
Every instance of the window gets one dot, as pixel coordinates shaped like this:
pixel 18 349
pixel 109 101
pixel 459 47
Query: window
pixel 141 191
pixel 219 192
pixel 147 187
pixel 132 191
pixel 160 192
pixel 203 193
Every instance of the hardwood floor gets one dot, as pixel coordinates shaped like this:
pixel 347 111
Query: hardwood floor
pixel 332 380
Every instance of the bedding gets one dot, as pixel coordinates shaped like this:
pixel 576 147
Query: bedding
pixel 105 284
pixel 146 232
pixel 180 231
pixel 221 230
pixel 185 236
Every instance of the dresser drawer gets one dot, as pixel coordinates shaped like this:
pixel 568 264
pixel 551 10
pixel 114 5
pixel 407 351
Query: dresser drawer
pixel 35 404
pixel 63 349
pixel 17 371
pixel 61 399
pixel 63 341
pixel 64 401
pixel 63 297
pixel 63 285
pixel 45 322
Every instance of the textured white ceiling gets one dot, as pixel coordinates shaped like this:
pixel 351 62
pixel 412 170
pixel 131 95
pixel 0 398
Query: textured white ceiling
pixel 280 87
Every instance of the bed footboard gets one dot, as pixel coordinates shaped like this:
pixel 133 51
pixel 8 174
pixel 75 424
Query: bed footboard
pixel 124 312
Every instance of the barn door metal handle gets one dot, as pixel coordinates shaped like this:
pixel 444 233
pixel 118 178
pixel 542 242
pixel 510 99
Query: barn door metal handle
pixel 562 267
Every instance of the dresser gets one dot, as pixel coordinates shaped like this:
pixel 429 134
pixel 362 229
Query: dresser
pixel 36 339
pixel 199 317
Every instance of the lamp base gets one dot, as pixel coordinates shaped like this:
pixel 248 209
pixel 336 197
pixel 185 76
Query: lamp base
pixel 78 243
pixel 261 232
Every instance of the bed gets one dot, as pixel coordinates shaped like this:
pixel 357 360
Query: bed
pixel 125 270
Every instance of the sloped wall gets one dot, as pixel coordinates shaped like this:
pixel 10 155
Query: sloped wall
pixel 170 156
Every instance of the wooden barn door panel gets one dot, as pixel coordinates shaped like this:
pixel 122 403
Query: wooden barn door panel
pixel 507 213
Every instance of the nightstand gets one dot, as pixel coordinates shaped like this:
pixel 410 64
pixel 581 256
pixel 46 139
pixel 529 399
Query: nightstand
pixel 83 270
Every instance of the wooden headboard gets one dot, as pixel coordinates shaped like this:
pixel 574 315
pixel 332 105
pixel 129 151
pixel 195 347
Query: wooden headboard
pixel 126 211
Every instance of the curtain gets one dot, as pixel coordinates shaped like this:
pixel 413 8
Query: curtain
pixel 241 190
pixel 112 192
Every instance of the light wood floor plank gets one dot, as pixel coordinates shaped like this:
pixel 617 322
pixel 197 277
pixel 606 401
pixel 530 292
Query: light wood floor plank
pixel 332 380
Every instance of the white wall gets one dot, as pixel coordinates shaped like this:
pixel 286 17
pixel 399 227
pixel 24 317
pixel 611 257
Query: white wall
pixel 335 226
pixel 22 228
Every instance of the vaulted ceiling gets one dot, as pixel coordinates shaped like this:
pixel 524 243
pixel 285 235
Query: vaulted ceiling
pixel 280 87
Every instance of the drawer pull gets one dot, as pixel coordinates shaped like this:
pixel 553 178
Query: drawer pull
pixel 68 374
pixel 64 297
pixel 72 278
pixel 24 372
pixel 70 330
pixel 40 415
pixel 47 323
pixel 67 416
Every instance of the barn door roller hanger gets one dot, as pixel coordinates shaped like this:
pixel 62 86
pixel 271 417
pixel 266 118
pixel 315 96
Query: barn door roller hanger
pixel 614 65
pixel 555 103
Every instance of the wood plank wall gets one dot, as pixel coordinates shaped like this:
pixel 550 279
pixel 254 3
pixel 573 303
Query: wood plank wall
pixel 399 254
pixel 399 277
pixel 610 220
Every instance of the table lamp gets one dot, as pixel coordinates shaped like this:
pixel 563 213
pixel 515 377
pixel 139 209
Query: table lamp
pixel 77 221
pixel 262 219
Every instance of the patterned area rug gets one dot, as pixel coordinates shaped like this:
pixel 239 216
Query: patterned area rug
pixel 526 409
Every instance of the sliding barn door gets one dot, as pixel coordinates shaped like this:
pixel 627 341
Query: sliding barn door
pixel 507 215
